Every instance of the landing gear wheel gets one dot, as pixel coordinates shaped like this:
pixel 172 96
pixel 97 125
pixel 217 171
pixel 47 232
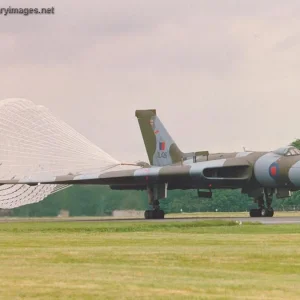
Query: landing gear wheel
pixel 154 214
pixel 261 212
pixel 270 212
pixel 255 213
pixel 147 214
pixel 160 214
pixel 267 212
pixel 264 212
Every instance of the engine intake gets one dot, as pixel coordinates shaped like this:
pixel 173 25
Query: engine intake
pixel 227 172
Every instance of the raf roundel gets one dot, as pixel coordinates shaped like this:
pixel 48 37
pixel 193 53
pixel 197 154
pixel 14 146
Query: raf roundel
pixel 162 146
pixel 274 170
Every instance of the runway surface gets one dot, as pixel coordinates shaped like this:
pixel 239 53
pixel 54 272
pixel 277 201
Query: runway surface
pixel 267 221
pixel 273 220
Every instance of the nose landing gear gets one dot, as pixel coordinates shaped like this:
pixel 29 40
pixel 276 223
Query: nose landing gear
pixel 264 202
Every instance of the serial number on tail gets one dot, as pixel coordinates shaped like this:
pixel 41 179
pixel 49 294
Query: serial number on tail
pixel 162 154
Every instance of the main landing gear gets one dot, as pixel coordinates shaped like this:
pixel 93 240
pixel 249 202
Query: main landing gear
pixel 155 213
pixel 264 202
pixel 153 194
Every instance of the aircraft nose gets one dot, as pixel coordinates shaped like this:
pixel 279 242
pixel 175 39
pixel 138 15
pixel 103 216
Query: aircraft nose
pixel 294 174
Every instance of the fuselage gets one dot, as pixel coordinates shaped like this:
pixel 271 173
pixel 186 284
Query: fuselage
pixel 245 170
pixel 267 169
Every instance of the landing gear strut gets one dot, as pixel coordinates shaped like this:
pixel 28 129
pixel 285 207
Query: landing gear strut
pixel 264 202
pixel 155 212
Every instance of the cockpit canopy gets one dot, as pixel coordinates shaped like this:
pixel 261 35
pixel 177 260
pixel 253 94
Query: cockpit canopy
pixel 287 151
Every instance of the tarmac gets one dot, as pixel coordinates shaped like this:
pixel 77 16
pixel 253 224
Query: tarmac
pixel 266 220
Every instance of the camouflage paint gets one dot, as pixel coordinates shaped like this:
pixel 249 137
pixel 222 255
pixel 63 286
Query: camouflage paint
pixel 160 146
pixel 258 174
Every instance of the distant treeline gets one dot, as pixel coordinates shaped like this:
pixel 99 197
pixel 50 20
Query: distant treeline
pixel 101 201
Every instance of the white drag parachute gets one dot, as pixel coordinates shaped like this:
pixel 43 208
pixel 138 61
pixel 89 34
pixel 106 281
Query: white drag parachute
pixel 35 143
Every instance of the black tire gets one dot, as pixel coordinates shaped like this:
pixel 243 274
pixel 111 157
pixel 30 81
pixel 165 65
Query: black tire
pixel 254 213
pixel 154 214
pixel 160 214
pixel 149 214
pixel 264 212
pixel 270 212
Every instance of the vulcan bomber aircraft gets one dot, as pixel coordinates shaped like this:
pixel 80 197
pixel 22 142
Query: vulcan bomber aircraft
pixel 260 175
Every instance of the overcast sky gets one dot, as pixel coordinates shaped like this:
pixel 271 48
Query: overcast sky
pixel 221 74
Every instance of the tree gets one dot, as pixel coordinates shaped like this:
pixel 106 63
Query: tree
pixel 296 143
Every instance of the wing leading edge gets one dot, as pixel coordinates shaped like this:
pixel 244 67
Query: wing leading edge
pixel 197 175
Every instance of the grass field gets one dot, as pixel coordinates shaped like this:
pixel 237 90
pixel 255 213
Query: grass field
pixel 173 260
pixel 167 216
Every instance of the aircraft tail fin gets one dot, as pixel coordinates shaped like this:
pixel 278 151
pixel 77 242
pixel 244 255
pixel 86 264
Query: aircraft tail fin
pixel 160 147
